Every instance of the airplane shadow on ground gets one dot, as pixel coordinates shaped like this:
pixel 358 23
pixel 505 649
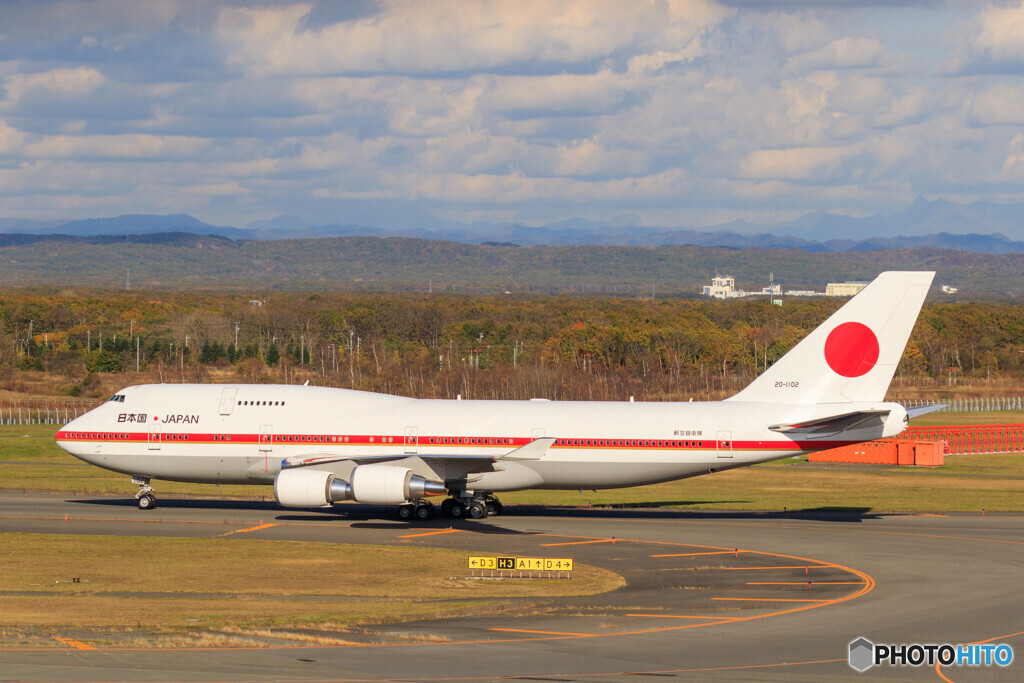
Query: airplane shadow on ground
pixel 369 516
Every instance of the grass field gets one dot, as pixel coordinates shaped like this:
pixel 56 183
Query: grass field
pixel 247 584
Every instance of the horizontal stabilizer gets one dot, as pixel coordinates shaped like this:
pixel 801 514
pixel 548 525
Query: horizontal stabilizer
pixel 917 411
pixel 832 424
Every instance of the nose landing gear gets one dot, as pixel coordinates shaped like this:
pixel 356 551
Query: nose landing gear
pixel 146 497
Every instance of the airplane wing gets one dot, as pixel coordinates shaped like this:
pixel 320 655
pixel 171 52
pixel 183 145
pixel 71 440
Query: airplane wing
pixel 531 451
pixel 831 424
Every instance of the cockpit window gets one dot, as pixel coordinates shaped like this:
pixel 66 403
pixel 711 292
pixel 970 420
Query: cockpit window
pixel 118 398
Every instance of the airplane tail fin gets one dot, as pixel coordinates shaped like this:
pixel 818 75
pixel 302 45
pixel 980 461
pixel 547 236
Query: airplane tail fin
pixel 852 356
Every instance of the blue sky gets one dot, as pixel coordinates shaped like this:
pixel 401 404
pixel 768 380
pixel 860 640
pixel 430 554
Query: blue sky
pixel 400 114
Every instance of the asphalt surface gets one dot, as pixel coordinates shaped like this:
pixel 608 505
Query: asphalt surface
pixel 719 596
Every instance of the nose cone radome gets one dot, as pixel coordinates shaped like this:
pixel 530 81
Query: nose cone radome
pixel 74 436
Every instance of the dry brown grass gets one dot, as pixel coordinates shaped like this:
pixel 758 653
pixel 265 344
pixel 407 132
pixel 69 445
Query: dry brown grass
pixel 199 582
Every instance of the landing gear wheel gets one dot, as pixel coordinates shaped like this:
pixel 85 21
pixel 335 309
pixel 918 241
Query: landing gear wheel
pixel 446 506
pixel 405 512
pixel 146 502
pixel 493 508
pixel 457 510
pixel 476 511
pixel 425 512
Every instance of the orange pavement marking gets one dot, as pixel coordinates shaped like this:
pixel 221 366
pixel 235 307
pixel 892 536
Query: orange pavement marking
pixel 938 665
pixel 601 540
pixel 867 587
pixel 684 616
pixel 809 566
pixel 245 531
pixel 75 644
pixel 717 552
pixel 432 533
pixel 548 633
pixel 804 583
pixel 773 600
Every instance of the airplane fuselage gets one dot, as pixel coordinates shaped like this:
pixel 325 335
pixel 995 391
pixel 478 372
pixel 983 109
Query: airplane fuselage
pixel 241 434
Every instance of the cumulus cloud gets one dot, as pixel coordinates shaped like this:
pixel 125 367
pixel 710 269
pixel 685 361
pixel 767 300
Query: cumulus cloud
pixel 845 53
pixel 454 36
pixel 666 109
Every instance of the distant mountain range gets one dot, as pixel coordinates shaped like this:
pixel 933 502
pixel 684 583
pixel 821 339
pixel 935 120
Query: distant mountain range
pixel 980 227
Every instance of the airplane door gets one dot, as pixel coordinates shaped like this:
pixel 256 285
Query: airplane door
pixel 724 444
pixel 266 438
pixel 227 400
pixel 411 439
pixel 154 436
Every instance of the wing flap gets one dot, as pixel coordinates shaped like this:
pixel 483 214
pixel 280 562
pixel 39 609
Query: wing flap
pixel 534 450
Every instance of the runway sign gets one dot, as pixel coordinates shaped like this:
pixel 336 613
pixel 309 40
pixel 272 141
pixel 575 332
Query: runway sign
pixel 543 564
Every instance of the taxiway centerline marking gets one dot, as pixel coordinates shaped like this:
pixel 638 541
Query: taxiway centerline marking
pixel 804 583
pixel 432 533
pixel 245 531
pixel 776 599
pixel 809 566
pixel 684 616
pixel 717 552
pixel 938 665
pixel 78 645
pixel 547 633
pixel 602 540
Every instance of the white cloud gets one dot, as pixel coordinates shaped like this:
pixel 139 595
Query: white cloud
pixel 805 163
pixel 131 146
pixel 845 53
pixel 455 36
pixel 64 82
pixel 1000 33
pixel 1000 104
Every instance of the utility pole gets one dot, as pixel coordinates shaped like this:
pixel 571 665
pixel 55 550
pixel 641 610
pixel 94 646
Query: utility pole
pixel 137 340
pixel 236 335
pixel 131 330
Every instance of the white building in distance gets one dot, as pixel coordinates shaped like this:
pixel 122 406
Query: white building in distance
pixel 844 288
pixel 723 287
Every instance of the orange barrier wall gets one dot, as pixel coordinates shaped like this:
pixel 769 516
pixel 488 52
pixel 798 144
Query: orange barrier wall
pixel 873 452
pixel 885 452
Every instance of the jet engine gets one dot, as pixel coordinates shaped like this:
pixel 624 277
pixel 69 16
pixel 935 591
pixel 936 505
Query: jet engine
pixel 371 484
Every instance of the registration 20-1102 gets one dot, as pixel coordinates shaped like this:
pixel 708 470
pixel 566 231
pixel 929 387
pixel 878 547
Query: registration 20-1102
pixel 787 385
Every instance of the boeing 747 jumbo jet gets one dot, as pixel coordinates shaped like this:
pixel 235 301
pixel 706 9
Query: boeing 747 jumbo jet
pixel 320 446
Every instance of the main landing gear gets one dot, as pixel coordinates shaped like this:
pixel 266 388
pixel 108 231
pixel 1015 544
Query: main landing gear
pixel 472 507
pixel 422 510
pixel 146 497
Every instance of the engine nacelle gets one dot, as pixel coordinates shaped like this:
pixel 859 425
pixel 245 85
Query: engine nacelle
pixel 371 484
pixel 390 485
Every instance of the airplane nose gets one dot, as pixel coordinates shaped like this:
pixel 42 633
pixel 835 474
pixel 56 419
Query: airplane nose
pixel 73 437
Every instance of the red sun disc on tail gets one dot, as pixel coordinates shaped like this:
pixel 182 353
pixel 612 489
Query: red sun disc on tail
pixel 851 349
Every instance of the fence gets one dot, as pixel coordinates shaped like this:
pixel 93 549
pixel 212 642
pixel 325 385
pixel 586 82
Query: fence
pixel 963 440
pixel 971 405
pixel 40 412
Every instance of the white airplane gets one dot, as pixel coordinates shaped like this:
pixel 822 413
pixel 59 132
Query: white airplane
pixel 320 446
